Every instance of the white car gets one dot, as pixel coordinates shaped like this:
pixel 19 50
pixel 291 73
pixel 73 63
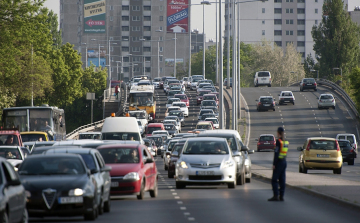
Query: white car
pixel 215 122
pixel 183 107
pixel 141 127
pixel 170 121
pixel 170 101
pixel 185 81
pixel 204 161
pixel 156 82
pixel 171 108
pixel 135 82
pixel 262 78
pixel 286 97
pixel 326 101
pixel 178 122
pixel 160 132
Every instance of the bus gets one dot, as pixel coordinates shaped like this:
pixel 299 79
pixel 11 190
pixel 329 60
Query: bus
pixel 143 98
pixel 37 118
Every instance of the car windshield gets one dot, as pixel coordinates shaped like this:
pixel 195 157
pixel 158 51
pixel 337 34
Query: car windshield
pixel 266 100
pixel 159 132
pixel 171 145
pixel 209 97
pixel 208 103
pixel 266 138
pixel 181 105
pixel 32 137
pixel 172 93
pixel 326 97
pixel 172 118
pixel 323 145
pixel 11 140
pixel 287 94
pixel 178 148
pixel 206 111
pixel 344 144
pixel 176 112
pixel 120 155
pixel 309 81
pixel 139 123
pixel 89 161
pixel 181 96
pixel 213 120
pixel 137 115
pixel 169 122
pixel 158 140
pixel 10 153
pixel 171 100
pixel 151 129
pixel 205 147
pixel 52 166
pixel 263 74
pixel 203 126
pixel 170 127
pixel 201 93
pixel 121 136
pixel 173 109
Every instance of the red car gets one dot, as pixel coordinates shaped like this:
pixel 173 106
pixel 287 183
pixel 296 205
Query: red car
pixel 266 142
pixel 199 97
pixel 133 169
pixel 183 98
pixel 153 127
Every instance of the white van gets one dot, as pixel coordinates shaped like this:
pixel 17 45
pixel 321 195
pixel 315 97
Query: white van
pixel 121 128
pixel 350 137
pixel 262 78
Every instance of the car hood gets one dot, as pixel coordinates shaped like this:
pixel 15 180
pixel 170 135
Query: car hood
pixel 57 182
pixel 121 169
pixel 203 158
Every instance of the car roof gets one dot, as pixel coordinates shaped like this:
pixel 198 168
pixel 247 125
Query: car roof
pixel 286 91
pixel 206 109
pixel 345 134
pixel 175 106
pixel 266 96
pixel 179 102
pixel 199 138
pixel 325 94
pixel 179 94
pixel 9 147
pixel 208 100
pixel 267 135
pixel 76 142
pixel 155 124
pixel 322 138
pixel 203 123
pixel 34 156
pixel 133 146
pixel 71 150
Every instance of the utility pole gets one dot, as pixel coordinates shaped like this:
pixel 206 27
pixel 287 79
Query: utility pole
pixel 234 85
pixel 221 74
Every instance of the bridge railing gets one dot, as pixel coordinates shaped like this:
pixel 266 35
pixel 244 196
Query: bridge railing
pixel 341 92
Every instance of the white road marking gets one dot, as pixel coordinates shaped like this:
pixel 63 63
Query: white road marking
pixel 177 197
pixel 182 208
pixel 170 187
pixel 186 213
pixel 172 190
pixel 174 193
pixel 180 202
pixel 191 219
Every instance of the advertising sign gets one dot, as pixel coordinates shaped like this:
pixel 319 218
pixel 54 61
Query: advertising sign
pixel 94 16
pixel 169 62
pixel 95 53
pixel 95 61
pixel 177 16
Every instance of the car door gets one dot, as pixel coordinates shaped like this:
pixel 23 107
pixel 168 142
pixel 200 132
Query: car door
pixel 15 193
pixel 147 169
pixel 104 176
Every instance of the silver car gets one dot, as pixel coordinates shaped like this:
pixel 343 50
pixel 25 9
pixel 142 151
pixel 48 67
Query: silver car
pixel 326 101
pixel 204 161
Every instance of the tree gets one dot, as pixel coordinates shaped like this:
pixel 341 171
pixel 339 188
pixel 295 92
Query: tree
pixel 355 85
pixel 210 63
pixel 336 39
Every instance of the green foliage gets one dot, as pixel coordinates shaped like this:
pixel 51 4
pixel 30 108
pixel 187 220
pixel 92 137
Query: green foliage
pixel 210 63
pixel 355 85
pixel 336 40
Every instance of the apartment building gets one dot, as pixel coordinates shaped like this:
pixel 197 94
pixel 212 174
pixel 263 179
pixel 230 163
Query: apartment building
pixel 278 21
pixel 129 37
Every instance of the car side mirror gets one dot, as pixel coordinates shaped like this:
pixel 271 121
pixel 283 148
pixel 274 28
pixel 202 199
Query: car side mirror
pixel 149 160
pixel 93 171
pixel 256 100
pixel 278 94
pixel 88 172
pixel 235 154
pixel 274 99
pixel 106 169
pixel 300 149
pixel 256 140
pixel 244 148
pixel 14 183
pixel 251 151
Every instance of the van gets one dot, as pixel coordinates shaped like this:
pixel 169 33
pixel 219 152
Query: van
pixel 262 78
pixel 121 128
pixel 351 138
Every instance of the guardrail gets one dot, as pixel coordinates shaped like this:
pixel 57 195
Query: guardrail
pixel 341 92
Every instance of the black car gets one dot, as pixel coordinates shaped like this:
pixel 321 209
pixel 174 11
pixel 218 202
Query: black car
pixel 179 114
pixel 347 151
pixel 12 196
pixel 59 185
pixel 207 103
pixel 308 84
pixel 265 103
pixel 174 158
pixel 171 128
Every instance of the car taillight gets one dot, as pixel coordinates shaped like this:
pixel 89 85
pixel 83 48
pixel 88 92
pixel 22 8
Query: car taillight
pixel 274 143
pixel 304 84
pixel 337 146
pixel 320 100
pixel 308 146
pixel 269 78
pixel 258 143
pixel 333 100
pixel 352 150
pixel 315 84
pixel 259 103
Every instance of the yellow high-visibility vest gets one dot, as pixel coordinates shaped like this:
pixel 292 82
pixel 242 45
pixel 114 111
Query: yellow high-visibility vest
pixel 284 146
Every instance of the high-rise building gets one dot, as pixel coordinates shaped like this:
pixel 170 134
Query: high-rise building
pixel 278 21
pixel 132 33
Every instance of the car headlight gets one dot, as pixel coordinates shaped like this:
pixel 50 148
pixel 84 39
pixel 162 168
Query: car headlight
pixel 228 163
pixel 28 194
pixel 247 162
pixel 183 165
pixel 76 192
pixel 132 176
pixel 168 156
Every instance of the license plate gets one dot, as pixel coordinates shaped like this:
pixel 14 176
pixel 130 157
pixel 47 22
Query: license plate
pixel 114 184
pixel 263 78
pixel 323 155
pixel 309 84
pixel 286 101
pixel 202 173
pixel 266 105
pixel 266 143
pixel 70 200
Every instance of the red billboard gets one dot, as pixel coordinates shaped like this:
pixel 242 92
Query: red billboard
pixel 177 16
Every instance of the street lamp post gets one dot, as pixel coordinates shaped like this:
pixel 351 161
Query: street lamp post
pixel 158 62
pixel 221 74
pixel 234 60
pixel 86 54
pixel 217 48
pixel 203 3
pixel 175 57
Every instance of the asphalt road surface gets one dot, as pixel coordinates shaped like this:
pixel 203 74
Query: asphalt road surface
pixel 300 121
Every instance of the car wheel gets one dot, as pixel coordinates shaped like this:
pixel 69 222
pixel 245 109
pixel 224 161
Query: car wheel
pixel 304 169
pixel 301 89
pixel 101 207
pixel 154 191
pixel 315 89
pixel 25 216
pixel 232 185
pixel 241 179
pixel 91 216
pixel 351 162
pixel 337 171
pixel 107 205
pixel 170 175
pixel 165 167
pixel 300 169
pixel 334 107
pixel 180 185
pixel 5 218
pixel 269 85
pixel 274 109
pixel 293 103
pixel 142 191
pixel 248 180
pixel 319 107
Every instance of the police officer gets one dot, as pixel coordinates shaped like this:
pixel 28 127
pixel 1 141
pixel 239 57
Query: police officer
pixel 279 166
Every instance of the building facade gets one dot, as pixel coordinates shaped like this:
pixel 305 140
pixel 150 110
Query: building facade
pixel 131 39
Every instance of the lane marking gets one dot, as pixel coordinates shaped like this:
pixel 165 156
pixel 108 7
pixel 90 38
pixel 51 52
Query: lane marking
pixel 177 197
pixel 191 219
pixel 186 213
pixel 182 208
pixel 180 202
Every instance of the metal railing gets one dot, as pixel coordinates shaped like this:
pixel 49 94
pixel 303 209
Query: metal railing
pixel 337 89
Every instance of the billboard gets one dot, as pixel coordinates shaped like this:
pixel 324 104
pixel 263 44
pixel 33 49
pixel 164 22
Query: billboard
pixel 94 16
pixel 169 62
pixel 95 53
pixel 95 61
pixel 177 16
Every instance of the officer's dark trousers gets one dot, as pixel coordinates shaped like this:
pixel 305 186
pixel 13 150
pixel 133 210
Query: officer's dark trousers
pixel 279 178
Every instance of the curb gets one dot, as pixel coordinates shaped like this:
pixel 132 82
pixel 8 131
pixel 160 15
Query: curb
pixel 315 193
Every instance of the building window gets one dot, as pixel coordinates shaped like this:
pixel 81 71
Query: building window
pixel 147 49
pixel 192 47
pixel 111 38
pixel 302 54
pixel 125 8
pixel 277 1
pixel 147 37
pixel 161 49
pixel 263 22
pixel 126 69
pixel 301 22
pixel 125 49
pixel 263 32
pixel 289 42
pixel 160 59
pixel 111 18
pixel 301 11
pixel 161 38
pixel 161 18
pixel 125 38
pixel 263 10
pixel 136 8
pixel 148 59
pixel 125 28
pixel 136 59
pixel 161 8
pixel 135 38
pixel 289 0
pixel 137 69
pixel 289 32
pixel 135 28
pixel 147 28
pixel 135 18
pixel 147 18
pixel 277 32
pixel 300 43
pixel 125 18
pixel 147 8
pixel 316 22
pixel 316 11
pixel 79 19
pixel 301 32
pixel 161 69
pixel 148 69
pixel 316 0
pixel 135 49
pixel 277 21
pixel 301 1
pixel 111 69
pixel 289 10
pixel 126 59
pixel 278 43
pixel 111 7
pixel 289 21
pixel 277 10
pixel 160 28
